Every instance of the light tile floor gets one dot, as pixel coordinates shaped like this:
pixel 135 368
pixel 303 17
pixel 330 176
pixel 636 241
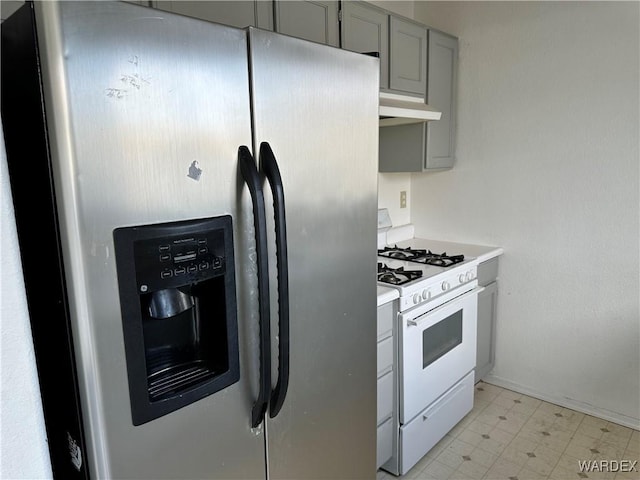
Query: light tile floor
pixel 509 436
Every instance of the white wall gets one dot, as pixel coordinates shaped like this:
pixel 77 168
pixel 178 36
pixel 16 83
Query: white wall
pixel 389 187
pixel 23 446
pixel 548 168
pixel 23 442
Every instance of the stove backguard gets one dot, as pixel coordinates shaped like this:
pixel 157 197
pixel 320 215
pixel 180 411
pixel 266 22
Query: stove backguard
pixel 178 303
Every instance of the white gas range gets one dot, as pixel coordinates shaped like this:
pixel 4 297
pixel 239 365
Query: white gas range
pixel 436 348
pixel 405 266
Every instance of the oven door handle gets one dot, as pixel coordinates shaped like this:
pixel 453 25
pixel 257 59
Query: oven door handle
pixel 422 318
pixel 250 175
pixel 269 166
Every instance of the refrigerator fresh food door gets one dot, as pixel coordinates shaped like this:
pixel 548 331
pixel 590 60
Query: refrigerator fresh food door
pixel 146 110
pixel 317 108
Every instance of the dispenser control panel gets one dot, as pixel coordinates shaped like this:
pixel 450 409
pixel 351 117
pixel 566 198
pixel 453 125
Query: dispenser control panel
pixel 173 260
pixel 175 254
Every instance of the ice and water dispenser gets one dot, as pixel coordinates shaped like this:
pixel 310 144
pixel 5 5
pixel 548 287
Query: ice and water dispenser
pixel 178 303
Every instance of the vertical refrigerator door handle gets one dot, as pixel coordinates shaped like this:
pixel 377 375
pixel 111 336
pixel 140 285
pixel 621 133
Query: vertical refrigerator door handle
pixel 270 168
pixel 250 174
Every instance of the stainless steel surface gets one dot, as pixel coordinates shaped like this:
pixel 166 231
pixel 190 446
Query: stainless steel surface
pixel 134 98
pixel 325 142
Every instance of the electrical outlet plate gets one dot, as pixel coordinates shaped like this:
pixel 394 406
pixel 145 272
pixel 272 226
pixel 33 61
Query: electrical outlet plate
pixel 403 199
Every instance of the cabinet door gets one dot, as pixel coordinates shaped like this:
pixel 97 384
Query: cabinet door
pixel 441 95
pixel 311 20
pixel 485 353
pixel 365 29
pixel 430 145
pixel 408 56
pixel 401 148
pixel 238 13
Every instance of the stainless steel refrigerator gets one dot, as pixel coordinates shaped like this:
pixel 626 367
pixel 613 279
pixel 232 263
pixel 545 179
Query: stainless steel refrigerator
pixel 196 209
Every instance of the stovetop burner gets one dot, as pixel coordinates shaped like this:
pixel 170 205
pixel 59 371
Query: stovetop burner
pixel 396 276
pixel 426 257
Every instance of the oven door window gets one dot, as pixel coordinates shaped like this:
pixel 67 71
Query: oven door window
pixel 441 338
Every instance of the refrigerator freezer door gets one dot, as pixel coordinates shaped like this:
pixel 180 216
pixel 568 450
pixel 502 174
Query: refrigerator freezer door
pixel 146 111
pixel 317 107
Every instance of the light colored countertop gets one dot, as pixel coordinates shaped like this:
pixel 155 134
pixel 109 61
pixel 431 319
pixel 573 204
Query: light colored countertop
pixel 386 295
pixel 480 252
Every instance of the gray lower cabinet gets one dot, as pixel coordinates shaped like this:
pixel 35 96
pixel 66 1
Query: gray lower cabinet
pixel 487 309
pixel 365 29
pixel 237 13
pixel 431 145
pixel 311 20
pixel 387 379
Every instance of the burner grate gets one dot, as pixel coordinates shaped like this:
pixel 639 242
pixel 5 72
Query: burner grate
pixel 399 253
pixel 396 276
pixel 426 257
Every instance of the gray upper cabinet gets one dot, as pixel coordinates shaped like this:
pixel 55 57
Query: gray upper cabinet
pixel 408 56
pixel 237 13
pixel 441 95
pixel 402 148
pixel 311 20
pixel 431 145
pixel 365 29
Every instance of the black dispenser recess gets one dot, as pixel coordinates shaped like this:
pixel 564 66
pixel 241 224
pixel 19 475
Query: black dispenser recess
pixel 178 301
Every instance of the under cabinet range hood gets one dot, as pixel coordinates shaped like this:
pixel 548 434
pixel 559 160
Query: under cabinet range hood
pixel 402 109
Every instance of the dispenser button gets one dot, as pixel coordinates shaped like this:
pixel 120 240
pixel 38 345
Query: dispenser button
pixel 166 274
pixel 180 271
pixel 202 241
pixel 216 262
pixel 164 248
pixel 192 268
pixel 203 265
pixel 203 250
pixel 165 257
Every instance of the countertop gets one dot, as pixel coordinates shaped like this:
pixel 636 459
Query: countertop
pixel 386 295
pixel 480 252
pixel 404 236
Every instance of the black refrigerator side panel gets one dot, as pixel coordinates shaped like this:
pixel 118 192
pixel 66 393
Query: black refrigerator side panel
pixel 30 174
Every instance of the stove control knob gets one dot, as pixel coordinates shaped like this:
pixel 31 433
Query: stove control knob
pixel 469 276
pixel 461 278
pixel 416 299
pixel 445 286
pixel 426 294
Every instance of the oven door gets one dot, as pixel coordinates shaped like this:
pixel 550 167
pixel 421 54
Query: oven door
pixel 437 349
